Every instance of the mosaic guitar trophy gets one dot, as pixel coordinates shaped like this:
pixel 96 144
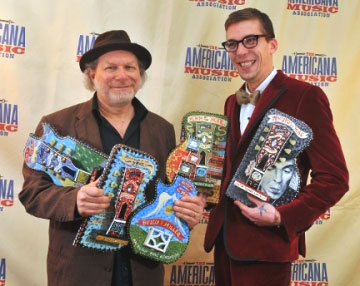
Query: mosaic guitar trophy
pixel 268 170
pixel 67 161
pixel 152 227
pixel 155 231
pixel 193 166
pixel 124 179
pixel 200 156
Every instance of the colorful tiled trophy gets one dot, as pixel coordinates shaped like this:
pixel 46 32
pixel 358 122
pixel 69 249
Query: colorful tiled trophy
pixel 193 166
pixel 152 227
pixel 268 170
pixel 66 160
pixel 155 231
pixel 200 156
pixel 124 179
pixel 70 162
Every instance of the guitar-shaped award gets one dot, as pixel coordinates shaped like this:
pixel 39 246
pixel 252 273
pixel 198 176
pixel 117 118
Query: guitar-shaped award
pixel 200 156
pixel 128 171
pixel 268 170
pixel 66 160
pixel 155 231
pixel 70 162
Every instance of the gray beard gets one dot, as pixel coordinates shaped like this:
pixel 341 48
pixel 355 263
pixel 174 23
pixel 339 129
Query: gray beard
pixel 116 98
pixel 123 98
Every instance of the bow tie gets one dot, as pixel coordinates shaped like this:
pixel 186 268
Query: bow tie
pixel 242 97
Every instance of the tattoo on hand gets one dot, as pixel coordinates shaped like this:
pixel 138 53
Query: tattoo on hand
pixel 262 209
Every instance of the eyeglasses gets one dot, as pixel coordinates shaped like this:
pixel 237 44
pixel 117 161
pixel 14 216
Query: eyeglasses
pixel 248 42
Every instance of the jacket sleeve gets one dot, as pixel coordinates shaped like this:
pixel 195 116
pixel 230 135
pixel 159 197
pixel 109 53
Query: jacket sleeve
pixel 42 198
pixel 324 157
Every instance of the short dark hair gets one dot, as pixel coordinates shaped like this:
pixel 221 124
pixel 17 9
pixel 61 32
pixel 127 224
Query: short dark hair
pixel 249 14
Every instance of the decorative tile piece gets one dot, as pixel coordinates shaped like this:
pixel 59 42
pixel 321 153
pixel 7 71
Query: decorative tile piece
pixel 155 231
pixel 66 160
pixel 268 170
pixel 124 179
pixel 200 156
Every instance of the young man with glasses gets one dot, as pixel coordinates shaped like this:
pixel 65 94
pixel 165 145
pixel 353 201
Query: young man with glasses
pixel 255 246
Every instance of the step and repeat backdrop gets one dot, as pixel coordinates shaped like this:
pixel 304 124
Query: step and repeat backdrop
pixel 42 41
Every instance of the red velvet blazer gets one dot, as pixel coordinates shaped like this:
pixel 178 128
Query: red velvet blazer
pixel 323 157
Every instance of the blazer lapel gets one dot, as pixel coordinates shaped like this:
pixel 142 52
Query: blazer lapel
pixel 267 99
pixel 86 127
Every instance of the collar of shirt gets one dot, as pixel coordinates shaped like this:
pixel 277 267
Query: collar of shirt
pixel 248 109
pixel 140 109
pixel 265 83
pixel 109 135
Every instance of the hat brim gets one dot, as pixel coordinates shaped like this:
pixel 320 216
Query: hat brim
pixel 140 52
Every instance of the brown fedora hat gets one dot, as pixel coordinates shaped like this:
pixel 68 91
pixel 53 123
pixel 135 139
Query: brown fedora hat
pixel 111 41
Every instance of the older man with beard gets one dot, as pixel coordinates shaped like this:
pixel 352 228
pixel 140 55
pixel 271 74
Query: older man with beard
pixel 115 70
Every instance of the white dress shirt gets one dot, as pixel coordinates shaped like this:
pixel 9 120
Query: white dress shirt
pixel 247 109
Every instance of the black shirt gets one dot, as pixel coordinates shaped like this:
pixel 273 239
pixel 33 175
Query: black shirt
pixel 109 138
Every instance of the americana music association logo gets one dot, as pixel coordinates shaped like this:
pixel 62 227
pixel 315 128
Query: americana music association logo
pixel 220 4
pixel 6 193
pixel 192 274
pixel 309 272
pixel 206 62
pixel 313 8
pixel 12 39
pixel 9 119
pixel 314 68
pixel 85 43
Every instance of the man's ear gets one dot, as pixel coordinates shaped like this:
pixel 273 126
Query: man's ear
pixel 91 73
pixel 273 45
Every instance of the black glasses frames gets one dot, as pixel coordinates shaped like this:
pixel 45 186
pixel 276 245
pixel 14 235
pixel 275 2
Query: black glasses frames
pixel 248 42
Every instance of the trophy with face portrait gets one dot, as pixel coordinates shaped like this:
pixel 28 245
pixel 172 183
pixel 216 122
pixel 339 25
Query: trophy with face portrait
pixel 268 170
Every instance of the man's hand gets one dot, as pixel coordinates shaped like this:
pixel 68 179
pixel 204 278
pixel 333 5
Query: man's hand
pixel 190 209
pixel 263 214
pixel 91 200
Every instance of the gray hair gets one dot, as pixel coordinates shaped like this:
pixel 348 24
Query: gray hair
pixel 88 83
